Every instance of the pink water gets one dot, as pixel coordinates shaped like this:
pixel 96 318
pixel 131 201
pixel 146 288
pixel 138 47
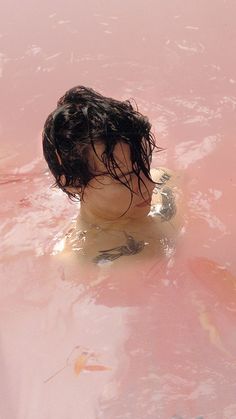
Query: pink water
pixel 162 336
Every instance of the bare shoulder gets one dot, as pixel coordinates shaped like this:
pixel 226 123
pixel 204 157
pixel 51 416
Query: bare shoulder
pixel 164 178
pixel 167 197
pixel 165 175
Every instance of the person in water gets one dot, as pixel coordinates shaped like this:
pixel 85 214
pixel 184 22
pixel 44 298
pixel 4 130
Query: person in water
pixel 99 151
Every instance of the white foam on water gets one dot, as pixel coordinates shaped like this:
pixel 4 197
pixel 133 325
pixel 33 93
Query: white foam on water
pixel 200 205
pixel 188 152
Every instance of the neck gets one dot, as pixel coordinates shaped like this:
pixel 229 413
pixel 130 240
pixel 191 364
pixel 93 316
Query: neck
pixel 87 219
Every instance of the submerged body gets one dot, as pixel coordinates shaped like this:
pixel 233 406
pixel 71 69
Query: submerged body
pixel 152 233
pixel 100 152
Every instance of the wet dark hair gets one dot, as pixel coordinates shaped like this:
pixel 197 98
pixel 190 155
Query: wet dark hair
pixel 83 118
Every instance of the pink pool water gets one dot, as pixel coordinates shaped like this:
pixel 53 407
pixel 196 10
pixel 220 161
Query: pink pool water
pixel 157 341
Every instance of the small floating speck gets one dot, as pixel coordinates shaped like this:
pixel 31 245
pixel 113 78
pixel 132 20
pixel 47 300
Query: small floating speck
pixel 71 57
pixel 166 282
pixel 194 28
pixel 192 48
pixel 53 56
pixel 216 67
pixel 63 22
pixel 216 193
pixel 33 50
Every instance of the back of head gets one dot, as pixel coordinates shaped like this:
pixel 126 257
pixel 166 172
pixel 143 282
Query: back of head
pixel 84 117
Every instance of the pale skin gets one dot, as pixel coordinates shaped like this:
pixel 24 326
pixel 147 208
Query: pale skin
pixel 110 225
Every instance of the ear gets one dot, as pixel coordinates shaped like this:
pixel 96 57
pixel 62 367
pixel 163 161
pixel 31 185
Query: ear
pixel 68 188
pixel 62 180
